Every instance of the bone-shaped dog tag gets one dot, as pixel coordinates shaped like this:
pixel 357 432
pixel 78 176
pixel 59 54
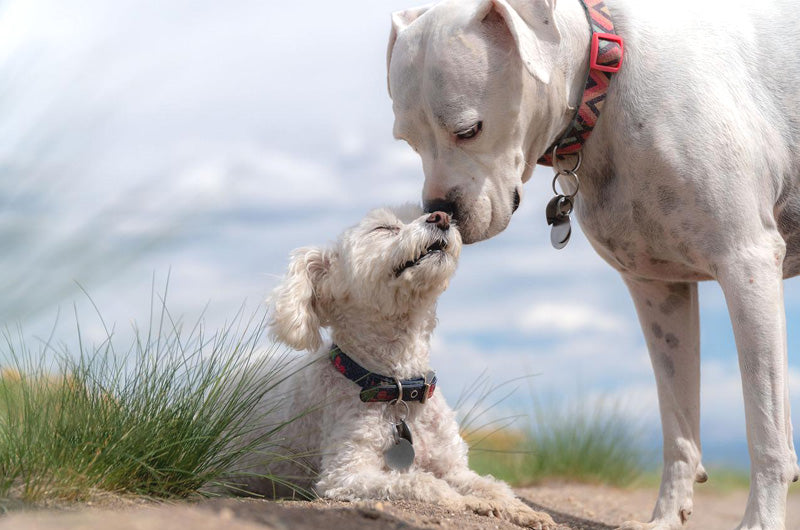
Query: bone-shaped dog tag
pixel 557 212
pixel 400 455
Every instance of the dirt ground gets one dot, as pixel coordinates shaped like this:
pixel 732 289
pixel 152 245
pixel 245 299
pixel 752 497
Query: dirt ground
pixel 579 507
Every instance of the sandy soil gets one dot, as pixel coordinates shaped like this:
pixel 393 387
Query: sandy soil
pixel 579 507
pixel 585 507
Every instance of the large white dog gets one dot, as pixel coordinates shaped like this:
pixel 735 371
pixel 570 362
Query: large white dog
pixel 692 174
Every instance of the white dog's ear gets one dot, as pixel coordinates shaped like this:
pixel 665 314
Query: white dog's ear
pixel 400 21
pixel 534 31
pixel 299 301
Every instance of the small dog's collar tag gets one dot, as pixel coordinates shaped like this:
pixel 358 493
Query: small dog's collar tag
pixel 400 454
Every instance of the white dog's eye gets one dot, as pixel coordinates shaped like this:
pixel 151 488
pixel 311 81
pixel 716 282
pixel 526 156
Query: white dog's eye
pixel 471 132
pixel 392 229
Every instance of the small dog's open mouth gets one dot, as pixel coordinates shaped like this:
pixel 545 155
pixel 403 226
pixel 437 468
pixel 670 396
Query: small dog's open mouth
pixel 436 246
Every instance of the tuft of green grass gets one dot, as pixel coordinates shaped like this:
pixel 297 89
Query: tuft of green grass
pixel 573 442
pixel 165 419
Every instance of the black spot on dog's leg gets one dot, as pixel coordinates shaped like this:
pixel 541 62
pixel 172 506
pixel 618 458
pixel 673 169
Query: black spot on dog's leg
pixel 670 304
pixel 669 366
pixel 657 331
pixel 672 340
pixel 679 294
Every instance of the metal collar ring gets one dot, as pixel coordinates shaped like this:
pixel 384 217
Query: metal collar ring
pixel 567 174
pixel 556 161
pixel 397 418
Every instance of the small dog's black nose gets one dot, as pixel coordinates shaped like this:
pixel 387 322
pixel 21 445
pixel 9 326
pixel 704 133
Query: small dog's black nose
pixel 441 219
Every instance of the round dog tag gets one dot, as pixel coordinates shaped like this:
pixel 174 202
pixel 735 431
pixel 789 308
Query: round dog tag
pixel 400 455
pixel 560 233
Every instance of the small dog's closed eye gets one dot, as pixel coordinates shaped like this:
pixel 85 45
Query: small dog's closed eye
pixel 371 417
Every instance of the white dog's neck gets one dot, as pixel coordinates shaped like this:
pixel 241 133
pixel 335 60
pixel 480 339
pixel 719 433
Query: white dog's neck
pixel 575 46
pixel 572 66
pixel 397 347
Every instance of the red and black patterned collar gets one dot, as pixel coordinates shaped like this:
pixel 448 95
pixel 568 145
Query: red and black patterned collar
pixel 607 52
pixel 377 387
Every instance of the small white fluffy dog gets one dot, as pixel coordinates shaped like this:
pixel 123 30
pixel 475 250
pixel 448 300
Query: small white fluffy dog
pixel 376 291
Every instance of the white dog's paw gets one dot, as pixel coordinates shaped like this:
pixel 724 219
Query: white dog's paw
pixel 654 525
pixel 514 511
pixel 635 525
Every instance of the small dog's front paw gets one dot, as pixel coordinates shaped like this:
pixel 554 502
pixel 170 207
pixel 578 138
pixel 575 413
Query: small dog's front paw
pixel 520 514
pixel 478 505
pixel 514 511
pixel 491 489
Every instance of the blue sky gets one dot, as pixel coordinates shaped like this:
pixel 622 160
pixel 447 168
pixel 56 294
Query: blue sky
pixel 210 139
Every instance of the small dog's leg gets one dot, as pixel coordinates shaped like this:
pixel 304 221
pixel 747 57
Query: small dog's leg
pixel 422 486
pixel 358 474
pixel 752 280
pixel 668 314
pixel 500 497
pixel 388 485
pixel 484 495
pixel 381 484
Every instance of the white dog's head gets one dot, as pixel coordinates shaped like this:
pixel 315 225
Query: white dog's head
pixel 474 93
pixel 393 262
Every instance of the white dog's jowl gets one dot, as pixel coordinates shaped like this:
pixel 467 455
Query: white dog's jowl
pixel 692 174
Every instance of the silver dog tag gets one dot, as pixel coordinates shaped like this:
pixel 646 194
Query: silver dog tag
pixel 400 455
pixel 558 210
pixel 560 233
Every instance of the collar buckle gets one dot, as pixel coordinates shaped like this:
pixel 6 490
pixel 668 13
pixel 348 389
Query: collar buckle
pixel 426 388
pixel 611 55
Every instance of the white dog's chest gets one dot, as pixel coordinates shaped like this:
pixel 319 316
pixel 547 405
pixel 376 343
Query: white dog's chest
pixel 675 229
pixel 657 233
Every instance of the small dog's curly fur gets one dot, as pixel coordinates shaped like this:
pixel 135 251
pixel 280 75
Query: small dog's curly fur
pixel 376 291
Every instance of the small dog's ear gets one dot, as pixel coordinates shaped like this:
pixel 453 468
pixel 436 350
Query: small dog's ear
pixel 400 20
pixel 297 303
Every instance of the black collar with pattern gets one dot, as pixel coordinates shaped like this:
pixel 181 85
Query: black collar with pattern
pixel 377 387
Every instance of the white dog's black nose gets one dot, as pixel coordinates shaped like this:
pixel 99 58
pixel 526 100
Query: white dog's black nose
pixel 440 219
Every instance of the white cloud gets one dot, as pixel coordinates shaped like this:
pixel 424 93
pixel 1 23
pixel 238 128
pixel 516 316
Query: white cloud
pixel 246 175
pixel 569 317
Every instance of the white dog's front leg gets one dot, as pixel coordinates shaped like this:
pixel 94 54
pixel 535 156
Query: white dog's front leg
pixel 668 314
pixel 751 279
